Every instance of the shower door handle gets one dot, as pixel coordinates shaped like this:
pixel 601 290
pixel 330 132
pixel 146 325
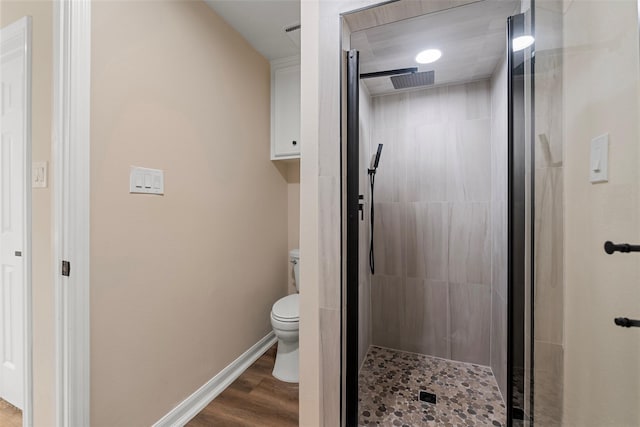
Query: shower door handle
pixel 626 322
pixel 610 247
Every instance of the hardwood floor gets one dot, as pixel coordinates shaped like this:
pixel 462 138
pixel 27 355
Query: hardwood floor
pixel 256 398
pixel 10 416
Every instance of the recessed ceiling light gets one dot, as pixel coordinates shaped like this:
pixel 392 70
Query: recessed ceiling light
pixel 522 42
pixel 428 56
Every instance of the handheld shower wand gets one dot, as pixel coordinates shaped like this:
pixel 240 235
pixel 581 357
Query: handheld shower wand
pixel 373 167
pixel 375 159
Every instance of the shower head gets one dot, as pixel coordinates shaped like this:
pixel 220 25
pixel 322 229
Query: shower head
pixel 375 159
pixel 406 81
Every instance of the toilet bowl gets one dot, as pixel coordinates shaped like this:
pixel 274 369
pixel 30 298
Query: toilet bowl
pixel 285 320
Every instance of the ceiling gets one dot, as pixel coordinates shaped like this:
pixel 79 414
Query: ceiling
pixel 261 23
pixel 472 39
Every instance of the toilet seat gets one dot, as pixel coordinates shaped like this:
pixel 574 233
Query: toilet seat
pixel 287 309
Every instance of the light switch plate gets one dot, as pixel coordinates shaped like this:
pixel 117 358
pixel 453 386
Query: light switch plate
pixel 599 159
pixel 146 181
pixel 39 172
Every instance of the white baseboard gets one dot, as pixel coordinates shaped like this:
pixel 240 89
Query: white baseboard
pixel 192 405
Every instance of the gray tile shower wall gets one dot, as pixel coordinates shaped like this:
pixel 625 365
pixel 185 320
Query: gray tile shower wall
pixel 364 275
pixel 499 154
pixel 432 290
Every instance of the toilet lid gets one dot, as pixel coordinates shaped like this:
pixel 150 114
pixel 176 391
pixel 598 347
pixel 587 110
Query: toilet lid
pixel 287 308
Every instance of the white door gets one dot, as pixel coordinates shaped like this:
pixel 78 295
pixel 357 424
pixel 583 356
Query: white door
pixel 13 140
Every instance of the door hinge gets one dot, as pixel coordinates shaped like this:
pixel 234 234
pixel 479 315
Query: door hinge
pixel 66 268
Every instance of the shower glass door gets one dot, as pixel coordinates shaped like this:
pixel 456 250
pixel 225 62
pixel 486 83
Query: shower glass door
pixel 581 186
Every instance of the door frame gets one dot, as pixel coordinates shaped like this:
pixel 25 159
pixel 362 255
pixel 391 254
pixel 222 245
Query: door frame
pixel 71 215
pixel 351 188
pixel 22 29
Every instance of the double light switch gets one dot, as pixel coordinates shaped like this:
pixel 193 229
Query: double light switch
pixel 146 181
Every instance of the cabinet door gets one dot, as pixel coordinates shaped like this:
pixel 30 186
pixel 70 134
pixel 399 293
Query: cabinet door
pixel 287 114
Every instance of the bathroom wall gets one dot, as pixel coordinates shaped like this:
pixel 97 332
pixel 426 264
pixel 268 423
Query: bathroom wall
pixel 41 13
pixel 293 215
pixel 431 291
pixel 600 74
pixel 181 284
pixel 364 274
pixel 499 230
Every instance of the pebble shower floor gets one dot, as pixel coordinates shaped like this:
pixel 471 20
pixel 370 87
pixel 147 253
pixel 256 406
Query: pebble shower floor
pixel 390 380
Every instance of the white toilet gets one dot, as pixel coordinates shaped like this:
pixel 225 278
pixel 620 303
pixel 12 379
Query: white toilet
pixel 285 321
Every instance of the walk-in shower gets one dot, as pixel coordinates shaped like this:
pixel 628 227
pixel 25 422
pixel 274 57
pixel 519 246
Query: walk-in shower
pixel 496 299
pixel 427 333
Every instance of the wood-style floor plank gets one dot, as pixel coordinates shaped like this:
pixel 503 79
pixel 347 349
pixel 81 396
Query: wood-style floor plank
pixel 10 416
pixel 256 398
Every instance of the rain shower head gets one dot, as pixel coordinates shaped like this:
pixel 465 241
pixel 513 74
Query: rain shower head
pixel 406 81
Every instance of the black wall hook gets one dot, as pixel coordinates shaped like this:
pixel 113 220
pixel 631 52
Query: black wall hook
pixel 610 247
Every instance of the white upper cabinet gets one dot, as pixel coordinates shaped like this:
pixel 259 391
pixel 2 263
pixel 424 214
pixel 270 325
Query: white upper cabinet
pixel 285 109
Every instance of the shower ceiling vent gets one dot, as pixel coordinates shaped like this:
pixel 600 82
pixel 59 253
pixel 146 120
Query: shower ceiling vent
pixel 406 81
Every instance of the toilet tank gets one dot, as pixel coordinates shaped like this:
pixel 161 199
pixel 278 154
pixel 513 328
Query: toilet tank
pixel 294 256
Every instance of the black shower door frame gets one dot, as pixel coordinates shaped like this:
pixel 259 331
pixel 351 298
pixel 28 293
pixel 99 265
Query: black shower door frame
pixel 518 297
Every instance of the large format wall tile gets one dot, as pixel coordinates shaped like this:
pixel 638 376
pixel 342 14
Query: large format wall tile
pixel 548 391
pixel 426 169
pixel 499 340
pixel 469 101
pixel 470 320
pixel 549 258
pixel 499 231
pixel 389 111
pixel 469 161
pixel 548 109
pixel 499 247
pixel 427 240
pixel 329 353
pixel 433 219
pixel 469 244
pixel 364 276
pixel 428 106
pixel 329 243
pixel 426 327
pixel 364 319
pixel 387 310
pixel 390 179
pixel 389 238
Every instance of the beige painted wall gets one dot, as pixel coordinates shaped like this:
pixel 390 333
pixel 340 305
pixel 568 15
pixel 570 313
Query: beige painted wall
pixel 181 284
pixel 43 320
pixel 600 87
pixel 293 214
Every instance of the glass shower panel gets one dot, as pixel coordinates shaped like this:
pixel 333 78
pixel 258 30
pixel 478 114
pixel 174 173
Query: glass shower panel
pixel 586 186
